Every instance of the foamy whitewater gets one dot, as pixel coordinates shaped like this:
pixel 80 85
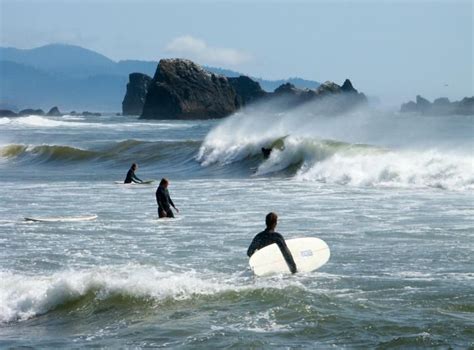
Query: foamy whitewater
pixel 391 194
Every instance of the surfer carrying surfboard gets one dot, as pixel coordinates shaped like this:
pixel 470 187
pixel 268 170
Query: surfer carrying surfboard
pixel 164 201
pixel 269 236
pixel 131 177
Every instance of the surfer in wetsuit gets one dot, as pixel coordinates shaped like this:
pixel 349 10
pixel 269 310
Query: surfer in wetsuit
pixel 269 236
pixel 266 152
pixel 164 201
pixel 131 177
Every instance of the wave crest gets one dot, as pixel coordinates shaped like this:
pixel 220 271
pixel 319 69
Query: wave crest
pixel 23 297
pixel 394 169
pixel 312 159
pixel 126 151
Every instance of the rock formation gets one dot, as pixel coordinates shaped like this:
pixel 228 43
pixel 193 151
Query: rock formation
pixel 183 90
pixel 247 90
pixel 137 89
pixel 91 114
pixel 54 112
pixel 440 106
pixel 30 111
pixel 7 113
pixel 338 99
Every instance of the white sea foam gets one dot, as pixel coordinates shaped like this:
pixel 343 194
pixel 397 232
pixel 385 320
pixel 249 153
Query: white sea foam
pixel 340 159
pixel 4 120
pixel 23 296
pixel 34 121
pixel 399 169
pixel 43 122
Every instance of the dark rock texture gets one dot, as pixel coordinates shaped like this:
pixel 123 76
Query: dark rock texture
pixel 440 106
pixel 137 89
pixel 54 112
pixel 247 90
pixel 332 98
pixel 7 113
pixel 288 96
pixel 91 114
pixel 30 111
pixel 183 90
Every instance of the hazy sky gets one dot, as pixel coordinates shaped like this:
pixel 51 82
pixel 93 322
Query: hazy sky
pixel 390 49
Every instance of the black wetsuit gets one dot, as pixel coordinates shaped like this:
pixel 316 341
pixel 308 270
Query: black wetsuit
pixel 266 152
pixel 164 201
pixel 131 177
pixel 267 237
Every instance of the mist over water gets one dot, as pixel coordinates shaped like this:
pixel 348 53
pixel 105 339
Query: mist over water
pixel 391 195
pixel 364 147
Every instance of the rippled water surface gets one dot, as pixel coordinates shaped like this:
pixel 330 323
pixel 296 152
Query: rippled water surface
pixel 397 216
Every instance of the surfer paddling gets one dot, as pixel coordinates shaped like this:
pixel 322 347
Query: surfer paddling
pixel 131 177
pixel 164 201
pixel 269 236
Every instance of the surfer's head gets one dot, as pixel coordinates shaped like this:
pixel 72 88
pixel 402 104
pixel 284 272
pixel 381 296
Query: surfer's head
pixel 164 182
pixel 271 220
pixel 134 166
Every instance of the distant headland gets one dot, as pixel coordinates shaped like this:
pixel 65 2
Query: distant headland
pixel 75 78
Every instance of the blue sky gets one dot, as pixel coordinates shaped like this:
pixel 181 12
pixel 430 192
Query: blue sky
pixel 390 49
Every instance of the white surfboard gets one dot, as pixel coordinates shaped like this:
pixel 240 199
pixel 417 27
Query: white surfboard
pixel 309 254
pixel 62 218
pixel 146 182
pixel 168 220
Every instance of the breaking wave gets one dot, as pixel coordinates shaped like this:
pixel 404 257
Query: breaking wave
pixel 125 151
pixel 23 297
pixel 299 152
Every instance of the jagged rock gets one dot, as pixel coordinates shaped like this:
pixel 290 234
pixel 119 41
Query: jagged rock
pixel 91 114
pixel 30 111
pixel 137 89
pixel 290 96
pixel 7 113
pixel 247 90
pixel 54 112
pixel 440 106
pixel 328 88
pixel 287 88
pixel 183 90
pixel 347 87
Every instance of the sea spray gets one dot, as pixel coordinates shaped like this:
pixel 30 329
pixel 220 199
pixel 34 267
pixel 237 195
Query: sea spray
pixel 362 148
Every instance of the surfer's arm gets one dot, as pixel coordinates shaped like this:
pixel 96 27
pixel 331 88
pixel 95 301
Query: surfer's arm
pixel 286 254
pixel 135 178
pixel 252 248
pixel 172 204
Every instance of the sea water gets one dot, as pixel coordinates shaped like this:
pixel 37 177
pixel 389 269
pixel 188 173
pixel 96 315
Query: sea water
pixel 392 196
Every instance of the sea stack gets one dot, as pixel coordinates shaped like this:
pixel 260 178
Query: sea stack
pixel 182 89
pixel 137 89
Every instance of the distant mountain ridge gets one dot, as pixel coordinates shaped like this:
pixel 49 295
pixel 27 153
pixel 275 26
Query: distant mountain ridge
pixel 73 77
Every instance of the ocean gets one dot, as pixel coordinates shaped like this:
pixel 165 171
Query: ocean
pixel 392 195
